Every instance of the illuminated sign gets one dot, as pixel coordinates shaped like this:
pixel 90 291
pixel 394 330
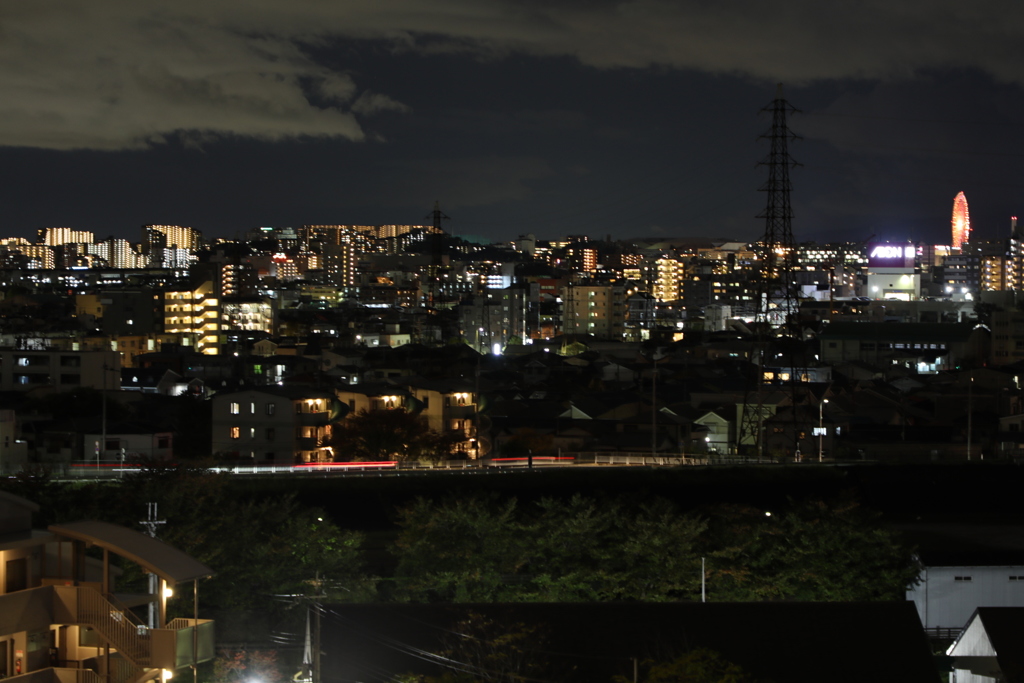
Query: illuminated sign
pixel 883 255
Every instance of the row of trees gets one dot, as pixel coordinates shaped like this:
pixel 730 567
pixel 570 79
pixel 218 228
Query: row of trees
pixel 265 551
pixel 486 549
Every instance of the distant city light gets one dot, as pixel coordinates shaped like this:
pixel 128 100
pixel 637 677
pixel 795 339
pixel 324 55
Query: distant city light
pixel 961 221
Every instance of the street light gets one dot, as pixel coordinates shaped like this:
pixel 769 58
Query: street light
pixel 821 426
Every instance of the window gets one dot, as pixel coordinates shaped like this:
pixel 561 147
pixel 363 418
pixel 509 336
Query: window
pixel 252 408
pixel 163 442
pixel 236 432
pixel 1017 578
pixel 961 578
pixel 234 408
pixel 271 407
pixel 270 433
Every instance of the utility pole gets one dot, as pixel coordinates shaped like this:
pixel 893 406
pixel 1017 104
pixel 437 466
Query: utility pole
pixel 150 524
pixel 311 665
pixel 654 405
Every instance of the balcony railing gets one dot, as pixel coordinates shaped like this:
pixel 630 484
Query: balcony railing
pixel 54 675
pixel 120 627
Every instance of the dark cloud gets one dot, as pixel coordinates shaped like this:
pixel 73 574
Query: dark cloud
pixel 119 74
pixel 623 118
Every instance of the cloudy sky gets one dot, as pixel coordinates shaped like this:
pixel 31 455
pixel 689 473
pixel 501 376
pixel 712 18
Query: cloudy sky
pixel 633 118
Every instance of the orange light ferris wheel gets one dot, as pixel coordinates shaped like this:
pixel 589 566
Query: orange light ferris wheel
pixel 961 221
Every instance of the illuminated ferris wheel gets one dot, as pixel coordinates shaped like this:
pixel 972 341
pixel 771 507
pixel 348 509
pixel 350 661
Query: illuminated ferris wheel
pixel 961 221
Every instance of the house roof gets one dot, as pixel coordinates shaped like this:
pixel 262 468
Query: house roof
pixel 1004 629
pixel 151 554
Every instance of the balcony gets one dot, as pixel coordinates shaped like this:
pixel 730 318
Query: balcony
pixel 180 643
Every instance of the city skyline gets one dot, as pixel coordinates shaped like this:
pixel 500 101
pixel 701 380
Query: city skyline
pixel 632 119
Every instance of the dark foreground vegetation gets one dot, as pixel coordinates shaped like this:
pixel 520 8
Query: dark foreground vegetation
pixel 790 534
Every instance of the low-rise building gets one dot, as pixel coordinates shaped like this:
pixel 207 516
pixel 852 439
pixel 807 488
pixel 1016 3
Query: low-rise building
pixel 59 618
pixel 273 425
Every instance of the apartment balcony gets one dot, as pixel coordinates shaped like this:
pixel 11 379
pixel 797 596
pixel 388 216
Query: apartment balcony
pixel 313 419
pixel 139 649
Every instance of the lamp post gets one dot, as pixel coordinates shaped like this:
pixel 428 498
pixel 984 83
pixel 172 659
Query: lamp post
pixel 821 427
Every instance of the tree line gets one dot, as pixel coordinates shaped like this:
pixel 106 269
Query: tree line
pixel 491 548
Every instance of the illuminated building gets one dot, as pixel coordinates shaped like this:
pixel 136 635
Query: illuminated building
pixel 961 222
pixel 194 314
pixel 170 246
pixel 594 309
pixel 892 271
pixel 254 315
pixel 56 237
pixel 316 237
pixel 666 283
pixel 339 264
pixel 39 256
pixel 273 425
pixel 120 254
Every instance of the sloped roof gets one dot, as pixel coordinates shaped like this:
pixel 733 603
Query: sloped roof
pixel 1005 629
pixel 151 554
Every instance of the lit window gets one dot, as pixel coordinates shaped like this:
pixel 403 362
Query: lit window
pixel 235 407
pixel 236 432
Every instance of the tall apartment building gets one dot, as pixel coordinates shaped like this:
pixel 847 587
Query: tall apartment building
pixel 194 314
pixel 37 256
pixel 56 237
pixel 599 310
pixel 119 253
pixel 315 237
pixel 339 264
pixel 170 246
pixel 668 276
pixel 579 255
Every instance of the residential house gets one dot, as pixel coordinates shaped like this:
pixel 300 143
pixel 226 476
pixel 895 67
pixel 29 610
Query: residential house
pixel 988 649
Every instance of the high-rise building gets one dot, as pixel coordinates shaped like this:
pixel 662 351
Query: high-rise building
pixel 196 315
pixel 339 264
pixel 667 281
pixel 56 237
pixel 170 246
pixel 594 309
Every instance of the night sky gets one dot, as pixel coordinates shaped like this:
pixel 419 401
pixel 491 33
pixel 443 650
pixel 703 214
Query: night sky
pixel 628 119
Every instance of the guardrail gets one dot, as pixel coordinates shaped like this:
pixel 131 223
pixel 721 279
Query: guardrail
pixel 87 470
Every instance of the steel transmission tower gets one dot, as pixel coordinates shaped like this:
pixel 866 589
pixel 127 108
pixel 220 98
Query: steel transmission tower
pixel 775 289
pixel 773 286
